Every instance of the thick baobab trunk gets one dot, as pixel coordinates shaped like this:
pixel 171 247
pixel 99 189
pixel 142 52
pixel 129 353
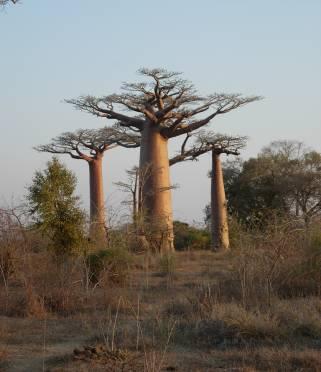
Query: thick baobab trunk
pixel 97 205
pixel 156 188
pixel 219 221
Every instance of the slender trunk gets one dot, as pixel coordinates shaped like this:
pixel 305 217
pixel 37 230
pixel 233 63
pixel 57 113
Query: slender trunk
pixel 219 221
pixel 135 197
pixel 140 192
pixel 134 208
pixel 155 188
pixel 97 206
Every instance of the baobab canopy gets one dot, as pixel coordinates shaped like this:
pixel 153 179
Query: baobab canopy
pixel 206 141
pixel 171 102
pixel 86 144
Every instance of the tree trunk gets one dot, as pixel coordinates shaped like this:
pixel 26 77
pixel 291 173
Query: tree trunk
pixel 135 198
pixel 97 203
pixel 156 189
pixel 219 221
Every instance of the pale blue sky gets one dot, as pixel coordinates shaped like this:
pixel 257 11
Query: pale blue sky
pixel 51 50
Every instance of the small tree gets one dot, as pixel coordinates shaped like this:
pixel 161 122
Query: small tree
pixel 132 188
pixel 136 178
pixel 55 208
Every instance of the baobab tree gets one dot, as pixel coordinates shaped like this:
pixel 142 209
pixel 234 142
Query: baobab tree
pixel 161 108
pixel 90 145
pixel 217 144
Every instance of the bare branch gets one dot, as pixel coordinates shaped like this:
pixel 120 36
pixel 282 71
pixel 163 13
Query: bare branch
pixel 219 103
pixel 209 141
pixel 88 144
pixel 103 107
pixel 165 100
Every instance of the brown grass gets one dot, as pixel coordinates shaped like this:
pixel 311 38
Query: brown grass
pixel 255 308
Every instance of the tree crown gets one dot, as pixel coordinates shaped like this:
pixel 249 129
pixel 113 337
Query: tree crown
pixel 165 100
pixel 88 144
pixel 209 141
pixel 285 177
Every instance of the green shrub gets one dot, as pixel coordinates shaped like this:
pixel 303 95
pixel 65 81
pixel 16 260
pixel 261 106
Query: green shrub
pixel 190 237
pixel 113 262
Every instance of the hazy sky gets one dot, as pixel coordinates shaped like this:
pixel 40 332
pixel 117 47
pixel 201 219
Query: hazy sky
pixel 51 50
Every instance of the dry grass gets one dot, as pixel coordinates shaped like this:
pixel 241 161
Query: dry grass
pixel 256 308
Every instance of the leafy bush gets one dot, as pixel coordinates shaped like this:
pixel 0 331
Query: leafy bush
pixel 190 237
pixel 113 262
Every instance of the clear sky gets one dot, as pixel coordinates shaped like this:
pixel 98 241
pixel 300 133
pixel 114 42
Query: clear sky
pixel 51 50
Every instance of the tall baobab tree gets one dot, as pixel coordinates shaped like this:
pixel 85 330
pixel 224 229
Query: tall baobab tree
pixel 161 108
pixel 90 145
pixel 217 144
